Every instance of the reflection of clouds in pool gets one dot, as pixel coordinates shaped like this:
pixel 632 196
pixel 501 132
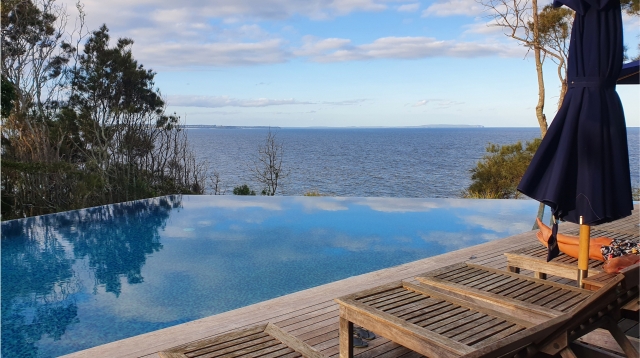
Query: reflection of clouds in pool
pixel 178 232
pixel 311 204
pixel 499 224
pixel 232 202
pixel 451 240
pixel 352 244
pixel 397 204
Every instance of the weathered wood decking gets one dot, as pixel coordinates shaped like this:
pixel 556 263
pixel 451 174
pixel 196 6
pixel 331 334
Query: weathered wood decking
pixel 312 315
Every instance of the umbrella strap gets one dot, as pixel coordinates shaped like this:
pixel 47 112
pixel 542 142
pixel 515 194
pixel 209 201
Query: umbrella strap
pixel 591 82
pixel 552 245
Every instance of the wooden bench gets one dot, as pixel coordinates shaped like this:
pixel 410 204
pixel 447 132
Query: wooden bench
pixel 441 322
pixel 534 258
pixel 265 341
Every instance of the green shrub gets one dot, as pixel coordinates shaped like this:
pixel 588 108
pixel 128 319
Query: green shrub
pixel 243 190
pixel 497 175
pixel 313 193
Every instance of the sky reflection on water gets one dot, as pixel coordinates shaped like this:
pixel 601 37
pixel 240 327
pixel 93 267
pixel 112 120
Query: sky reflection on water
pixel 78 279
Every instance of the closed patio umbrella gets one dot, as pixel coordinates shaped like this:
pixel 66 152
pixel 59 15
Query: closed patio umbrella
pixel 581 169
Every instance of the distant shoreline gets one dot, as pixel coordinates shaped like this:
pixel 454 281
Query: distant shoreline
pixel 210 126
pixel 433 126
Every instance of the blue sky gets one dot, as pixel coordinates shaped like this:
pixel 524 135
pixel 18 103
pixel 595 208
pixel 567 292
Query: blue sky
pixel 301 63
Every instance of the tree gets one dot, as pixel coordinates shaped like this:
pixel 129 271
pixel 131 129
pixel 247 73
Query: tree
pixel 83 128
pixel 545 32
pixel 497 175
pixel 267 167
pixel 243 190
pixel 631 7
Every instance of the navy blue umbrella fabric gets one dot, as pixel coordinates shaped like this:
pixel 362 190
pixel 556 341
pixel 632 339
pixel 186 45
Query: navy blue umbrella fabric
pixel 582 165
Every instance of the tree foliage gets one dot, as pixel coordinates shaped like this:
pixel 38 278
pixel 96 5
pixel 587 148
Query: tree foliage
pixel 497 175
pixel 631 7
pixel 82 128
pixel 243 190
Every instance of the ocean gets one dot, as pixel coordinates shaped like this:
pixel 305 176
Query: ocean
pixel 366 162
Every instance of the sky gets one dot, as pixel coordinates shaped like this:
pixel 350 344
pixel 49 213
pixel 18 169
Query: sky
pixel 337 63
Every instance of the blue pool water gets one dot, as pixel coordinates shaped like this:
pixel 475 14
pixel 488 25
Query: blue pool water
pixel 78 279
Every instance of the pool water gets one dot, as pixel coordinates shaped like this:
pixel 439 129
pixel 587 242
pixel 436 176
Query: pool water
pixel 78 279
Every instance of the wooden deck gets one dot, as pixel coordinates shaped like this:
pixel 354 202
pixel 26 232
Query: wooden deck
pixel 312 315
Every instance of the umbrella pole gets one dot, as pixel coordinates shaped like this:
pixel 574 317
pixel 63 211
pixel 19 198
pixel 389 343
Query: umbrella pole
pixel 583 253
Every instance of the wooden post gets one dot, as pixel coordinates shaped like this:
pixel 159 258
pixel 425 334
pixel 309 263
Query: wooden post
pixel 346 337
pixel 583 253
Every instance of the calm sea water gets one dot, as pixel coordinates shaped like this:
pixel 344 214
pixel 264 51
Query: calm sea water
pixel 381 162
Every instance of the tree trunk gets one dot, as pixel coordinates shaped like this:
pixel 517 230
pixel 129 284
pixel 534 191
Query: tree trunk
pixel 542 119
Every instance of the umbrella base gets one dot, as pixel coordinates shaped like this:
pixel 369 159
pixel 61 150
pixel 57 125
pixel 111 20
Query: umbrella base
pixel 582 274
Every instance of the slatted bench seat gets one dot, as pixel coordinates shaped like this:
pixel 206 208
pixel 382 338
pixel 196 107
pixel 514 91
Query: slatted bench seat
pixel 454 320
pixel 453 325
pixel 511 290
pixel 264 341
pixel 534 258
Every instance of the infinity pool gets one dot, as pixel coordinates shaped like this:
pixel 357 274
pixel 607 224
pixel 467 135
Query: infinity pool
pixel 78 279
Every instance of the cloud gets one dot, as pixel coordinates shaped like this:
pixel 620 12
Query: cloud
pixel 483 28
pixel 213 54
pixel 130 14
pixel 438 103
pixel 445 8
pixel 199 34
pixel 409 7
pixel 349 102
pixel 341 50
pixel 225 101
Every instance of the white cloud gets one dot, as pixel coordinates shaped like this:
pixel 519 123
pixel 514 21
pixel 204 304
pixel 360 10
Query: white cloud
pixel 409 7
pixel 483 28
pixel 212 54
pixel 340 50
pixel 131 14
pixel 197 33
pixel 225 101
pixel 348 102
pixel 446 8
pixel 437 103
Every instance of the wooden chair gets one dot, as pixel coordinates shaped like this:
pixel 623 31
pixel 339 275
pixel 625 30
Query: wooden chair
pixel 266 341
pixel 437 322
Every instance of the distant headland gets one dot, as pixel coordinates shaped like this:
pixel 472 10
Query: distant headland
pixel 213 126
